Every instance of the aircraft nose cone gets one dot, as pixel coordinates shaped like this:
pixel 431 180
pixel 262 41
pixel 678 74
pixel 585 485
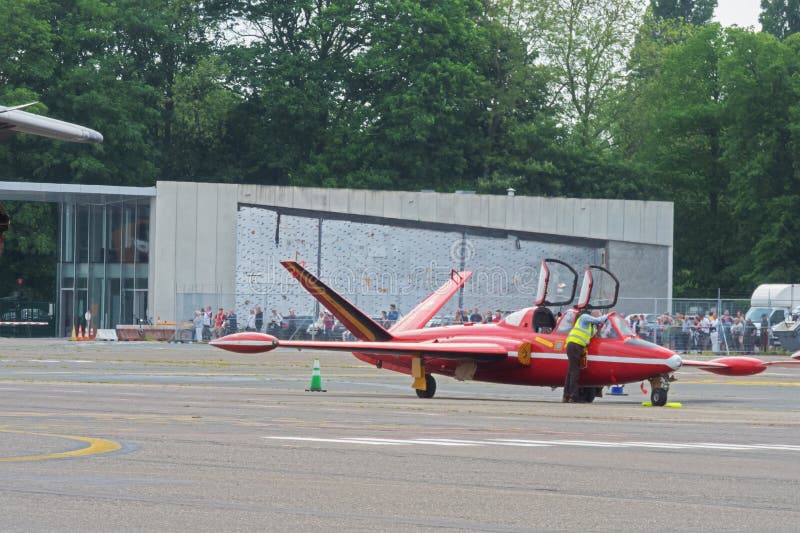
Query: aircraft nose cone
pixel 92 136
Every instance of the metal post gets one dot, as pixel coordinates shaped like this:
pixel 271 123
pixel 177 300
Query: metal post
pixel 319 262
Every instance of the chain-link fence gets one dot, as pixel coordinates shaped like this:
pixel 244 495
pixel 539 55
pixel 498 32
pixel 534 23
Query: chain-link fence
pixel 686 306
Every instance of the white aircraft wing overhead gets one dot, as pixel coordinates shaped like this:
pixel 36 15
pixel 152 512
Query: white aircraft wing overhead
pixel 13 120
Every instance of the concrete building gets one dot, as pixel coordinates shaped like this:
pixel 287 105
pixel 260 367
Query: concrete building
pixel 130 253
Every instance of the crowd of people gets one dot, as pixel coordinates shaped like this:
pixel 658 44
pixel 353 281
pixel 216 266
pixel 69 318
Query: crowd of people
pixel 686 333
pixel 475 316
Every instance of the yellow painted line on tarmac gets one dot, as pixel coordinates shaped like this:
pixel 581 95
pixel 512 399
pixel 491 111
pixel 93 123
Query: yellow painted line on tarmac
pixel 744 382
pixel 95 447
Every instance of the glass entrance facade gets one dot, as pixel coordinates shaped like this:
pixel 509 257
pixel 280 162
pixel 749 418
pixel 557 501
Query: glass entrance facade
pixel 103 262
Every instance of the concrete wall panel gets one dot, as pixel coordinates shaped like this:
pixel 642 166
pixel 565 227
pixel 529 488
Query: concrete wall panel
pixel 203 241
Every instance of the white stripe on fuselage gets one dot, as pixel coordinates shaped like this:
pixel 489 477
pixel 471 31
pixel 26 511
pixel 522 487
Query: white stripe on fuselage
pixel 674 362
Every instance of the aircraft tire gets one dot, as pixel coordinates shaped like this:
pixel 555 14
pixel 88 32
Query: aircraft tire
pixel 586 394
pixel 430 386
pixel 658 397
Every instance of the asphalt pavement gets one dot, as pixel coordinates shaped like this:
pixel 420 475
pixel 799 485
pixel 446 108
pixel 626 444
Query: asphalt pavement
pixel 171 437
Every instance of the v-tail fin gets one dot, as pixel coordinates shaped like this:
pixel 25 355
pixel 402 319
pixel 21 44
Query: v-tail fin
pixel 353 318
pixel 427 308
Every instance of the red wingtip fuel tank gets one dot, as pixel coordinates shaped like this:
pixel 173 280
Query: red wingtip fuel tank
pixel 247 342
pixel 737 366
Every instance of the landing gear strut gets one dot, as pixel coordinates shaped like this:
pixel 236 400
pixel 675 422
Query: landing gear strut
pixel 660 386
pixel 430 387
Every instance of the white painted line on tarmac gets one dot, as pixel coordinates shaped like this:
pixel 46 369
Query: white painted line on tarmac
pixel 380 441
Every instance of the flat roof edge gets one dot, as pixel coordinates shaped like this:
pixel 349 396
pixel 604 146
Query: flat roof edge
pixel 55 192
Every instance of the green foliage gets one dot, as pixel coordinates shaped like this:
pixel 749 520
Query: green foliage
pixel 30 251
pixel 692 11
pixel 781 18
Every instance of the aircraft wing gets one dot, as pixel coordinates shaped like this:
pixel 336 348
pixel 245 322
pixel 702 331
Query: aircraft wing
pixel 425 310
pixel 252 342
pixel 14 120
pixel 737 365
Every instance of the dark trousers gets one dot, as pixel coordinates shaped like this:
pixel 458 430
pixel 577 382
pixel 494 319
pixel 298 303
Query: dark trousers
pixel 574 355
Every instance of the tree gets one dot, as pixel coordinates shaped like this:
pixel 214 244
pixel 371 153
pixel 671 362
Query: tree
pixel 762 149
pixel 586 43
pixel 682 111
pixel 781 18
pixel 697 12
pixel 293 62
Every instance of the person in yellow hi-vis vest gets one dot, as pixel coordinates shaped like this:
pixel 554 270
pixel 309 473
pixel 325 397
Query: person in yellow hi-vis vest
pixel 577 341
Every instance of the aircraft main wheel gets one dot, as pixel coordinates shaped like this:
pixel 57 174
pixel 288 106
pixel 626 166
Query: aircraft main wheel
pixel 430 386
pixel 586 394
pixel 658 397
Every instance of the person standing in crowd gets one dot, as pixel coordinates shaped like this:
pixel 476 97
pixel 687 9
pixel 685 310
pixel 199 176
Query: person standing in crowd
pixel 714 334
pixel 764 333
pixel 498 316
pixel 219 322
pixel 475 317
pixel 318 326
pixel 208 320
pixel 231 322
pixel 457 318
pixel 726 323
pixel 737 333
pixel 197 322
pixel 328 322
pixel 392 315
pixel 291 324
pixel 633 322
pixel 686 333
pixel 384 320
pixel 750 333
pixel 704 328
pixel 675 331
pixel 259 318
pixel 251 321
pixel 577 344
pixel 275 323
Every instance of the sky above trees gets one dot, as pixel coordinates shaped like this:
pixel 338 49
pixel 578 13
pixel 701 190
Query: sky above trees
pixel 743 13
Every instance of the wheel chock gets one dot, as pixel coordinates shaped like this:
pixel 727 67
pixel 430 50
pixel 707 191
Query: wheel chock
pixel 674 405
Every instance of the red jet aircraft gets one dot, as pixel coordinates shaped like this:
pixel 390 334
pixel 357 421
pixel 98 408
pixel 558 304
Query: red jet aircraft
pixel 525 348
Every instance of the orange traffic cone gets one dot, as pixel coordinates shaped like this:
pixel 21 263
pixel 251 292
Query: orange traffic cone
pixel 80 332
pixel 92 334
pixel 74 337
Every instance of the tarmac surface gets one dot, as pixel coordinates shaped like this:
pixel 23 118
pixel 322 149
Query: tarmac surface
pixel 171 437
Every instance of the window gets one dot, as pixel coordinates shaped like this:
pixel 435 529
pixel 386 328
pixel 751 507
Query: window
pixel 515 318
pixel 622 326
pixel 607 331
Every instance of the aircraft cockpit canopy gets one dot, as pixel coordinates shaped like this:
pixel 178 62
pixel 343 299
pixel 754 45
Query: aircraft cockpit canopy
pixel 557 283
pixel 615 328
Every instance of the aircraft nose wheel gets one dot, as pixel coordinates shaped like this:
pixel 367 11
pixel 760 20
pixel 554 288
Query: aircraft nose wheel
pixel 658 396
pixel 430 387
